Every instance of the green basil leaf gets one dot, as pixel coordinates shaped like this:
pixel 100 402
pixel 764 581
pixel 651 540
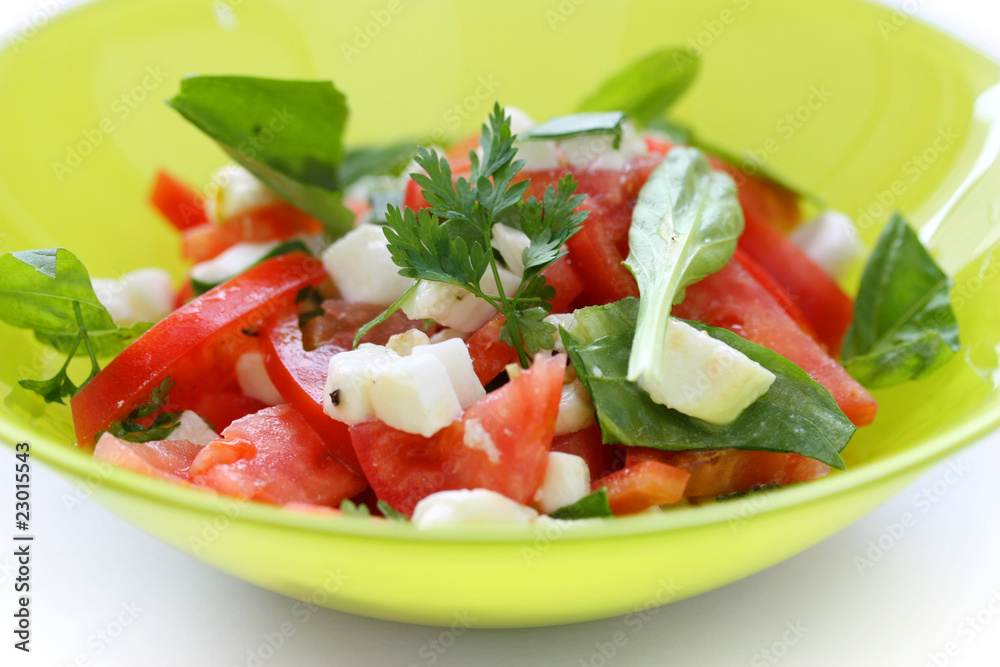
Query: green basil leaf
pixel 286 133
pixel 684 228
pixel 578 125
pixel 592 506
pixel 795 415
pixel 904 326
pixel 376 161
pixel 647 87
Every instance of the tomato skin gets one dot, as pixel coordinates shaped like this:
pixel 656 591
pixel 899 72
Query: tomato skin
pixel 195 345
pixel 179 204
pixel 520 418
pixel 777 292
pixel 637 487
pixel 166 459
pixel 602 460
pixel 274 222
pixel 732 299
pixel 762 199
pixel 274 456
pixel 722 472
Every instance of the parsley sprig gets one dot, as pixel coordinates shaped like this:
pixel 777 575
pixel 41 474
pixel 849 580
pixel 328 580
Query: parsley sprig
pixel 449 242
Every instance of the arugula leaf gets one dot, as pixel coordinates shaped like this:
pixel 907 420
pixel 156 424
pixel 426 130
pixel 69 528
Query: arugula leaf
pixel 592 506
pixel 904 326
pixel 578 125
pixel 286 133
pixel 795 415
pixel 349 508
pixel 375 161
pixel 163 425
pixel 684 228
pixel 450 241
pixel 49 291
pixel 647 87
pixel 391 513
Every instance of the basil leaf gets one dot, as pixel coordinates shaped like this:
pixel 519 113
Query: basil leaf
pixel 795 415
pixel 647 87
pixel 578 125
pixel 391 513
pixel 592 506
pixel 376 161
pixel 904 326
pixel 286 133
pixel 684 228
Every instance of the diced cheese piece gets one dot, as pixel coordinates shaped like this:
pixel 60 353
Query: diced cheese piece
pixel 360 264
pixel 831 241
pixel 403 343
pixel 511 243
pixel 455 307
pixel 143 295
pixel 193 429
pixel 564 320
pixel 476 436
pixel 235 190
pixel 538 155
pixel 703 377
pixel 576 410
pixel 598 151
pixel 351 376
pixel 231 262
pixel 470 506
pixel 254 380
pixel 414 394
pixel 520 121
pixel 454 356
pixel 448 334
pixel 567 479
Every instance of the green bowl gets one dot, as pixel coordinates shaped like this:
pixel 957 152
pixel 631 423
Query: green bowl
pixel 865 106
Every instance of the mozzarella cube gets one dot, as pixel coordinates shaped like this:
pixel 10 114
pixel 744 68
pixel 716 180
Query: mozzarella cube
pixel 454 356
pixel 360 264
pixel 567 480
pixel 454 307
pixel 414 394
pixel 576 409
pixel 598 151
pixel 254 380
pixel 143 295
pixel 193 429
pixel 351 377
pixel 234 191
pixel 470 506
pixel 448 334
pixel 511 244
pixel 403 343
pixel 519 119
pixel 831 241
pixel 538 155
pixel 564 320
pixel 703 377
pixel 231 262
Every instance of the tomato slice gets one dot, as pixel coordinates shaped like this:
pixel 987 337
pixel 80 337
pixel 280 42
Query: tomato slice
pixel 518 419
pixel 196 345
pixel 178 203
pixel 720 472
pixel 643 485
pixel 274 456
pixel 299 374
pixel 166 459
pixel 776 291
pixel 732 299
pixel 762 199
pixel 274 222
pixel 601 459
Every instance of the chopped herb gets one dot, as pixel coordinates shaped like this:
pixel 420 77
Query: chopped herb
pixel 578 125
pixel 162 425
pixel 391 513
pixel 592 506
pixel 349 508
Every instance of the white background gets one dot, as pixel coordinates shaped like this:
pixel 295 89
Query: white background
pixel 107 594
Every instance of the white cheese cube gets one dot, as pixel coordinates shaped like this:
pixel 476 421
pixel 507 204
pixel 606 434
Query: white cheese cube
pixel 351 377
pixel 519 119
pixel 448 334
pixel 231 262
pixel 454 356
pixel 143 295
pixel 403 343
pixel 414 394
pixel 455 307
pixel 703 377
pixel 360 264
pixel 234 191
pixel 193 429
pixel 576 409
pixel 831 241
pixel 470 506
pixel 511 244
pixel 567 479
pixel 538 155
pixel 598 151
pixel 564 320
pixel 254 380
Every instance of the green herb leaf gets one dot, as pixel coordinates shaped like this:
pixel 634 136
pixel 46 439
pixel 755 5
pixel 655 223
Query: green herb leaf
pixel 904 326
pixel 795 415
pixel 578 125
pixel 200 286
pixel 647 87
pixel 591 506
pixel 376 161
pixel 349 508
pixel 162 425
pixel 287 133
pixel 391 513
pixel 684 228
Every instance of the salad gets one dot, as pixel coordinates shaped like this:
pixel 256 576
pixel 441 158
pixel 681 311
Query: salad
pixel 592 316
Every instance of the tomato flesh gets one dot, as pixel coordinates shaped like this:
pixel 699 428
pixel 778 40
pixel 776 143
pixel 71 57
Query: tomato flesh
pixel 274 222
pixel 166 459
pixel 637 487
pixel 178 203
pixel 602 460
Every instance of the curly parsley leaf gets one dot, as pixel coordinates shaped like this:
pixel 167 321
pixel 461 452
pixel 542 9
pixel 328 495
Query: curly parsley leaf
pixel 349 508
pixel 162 425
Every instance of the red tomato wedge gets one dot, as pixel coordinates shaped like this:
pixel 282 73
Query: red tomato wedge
pixel 178 203
pixel 643 485
pixel 518 418
pixel 275 456
pixel 166 459
pixel 275 222
pixel 763 199
pixel 732 299
pixel 196 345
pixel 776 291
pixel 601 459
pixel 299 374
pixel 721 472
